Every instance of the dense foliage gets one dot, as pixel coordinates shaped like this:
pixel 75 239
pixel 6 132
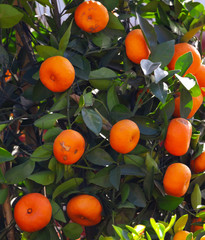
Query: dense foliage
pixel 108 87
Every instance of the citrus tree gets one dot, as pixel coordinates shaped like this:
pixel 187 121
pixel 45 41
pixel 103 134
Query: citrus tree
pixel 102 120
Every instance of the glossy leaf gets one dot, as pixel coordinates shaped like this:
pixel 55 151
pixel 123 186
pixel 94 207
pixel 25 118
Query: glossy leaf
pixel 115 176
pixel 99 157
pixel 52 133
pixel 5 156
pixel 20 172
pixel 196 197
pixel 101 178
pixel 112 98
pixel 114 22
pixel 72 230
pixel 121 233
pixel 169 203
pixel 47 51
pixel 160 90
pixel 148 66
pixel 134 160
pixel 67 186
pixel 160 53
pixel 148 31
pixel 48 120
pixel 9 16
pixel 43 177
pixel 181 223
pixel 92 120
pixel 125 190
pixel 65 39
pixel 57 212
pixel 184 62
pixel 42 153
pixel 148 184
pixel 136 196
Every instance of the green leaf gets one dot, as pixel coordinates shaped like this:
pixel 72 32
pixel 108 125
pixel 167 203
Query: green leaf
pixel 160 90
pixel 148 184
pixel 112 98
pixel 57 212
pixel 114 22
pixel 121 233
pixel 2 178
pixel 2 126
pixel 5 156
pixel 159 228
pixel 134 160
pixel 4 57
pixel 148 31
pixel 60 103
pixel 43 177
pixel 67 186
pixel 40 92
pixel 160 53
pixel 110 5
pixel 48 120
pixel 47 51
pixel 102 40
pixel 181 223
pixel 99 157
pixel 51 134
pixel 3 195
pixel 196 197
pixel 72 230
pixel 131 170
pixel 65 39
pixel 101 178
pixel 102 73
pixel 186 103
pixel 136 196
pixel 184 62
pixel 115 176
pixel 120 112
pixel 9 16
pixel 92 120
pixel 151 164
pixel 171 223
pixel 42 153
pixel 45 3
pixel 147 126
pixel 20 172
pixel 125 191
pixel 169 203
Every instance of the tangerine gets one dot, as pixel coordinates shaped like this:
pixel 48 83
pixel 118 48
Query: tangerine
pixel 57 73
pixel 195 228
pixel 136 46
pixel 85 210
pixel 7 76
pixel 200 76
pixel 197 101
pixel 68 147
pixel 124 136
pixel 176 179
pixel 32 212
pixel 198 164
pixel 91 16
pixel 178 136
pixel 181 235
pixel 181 49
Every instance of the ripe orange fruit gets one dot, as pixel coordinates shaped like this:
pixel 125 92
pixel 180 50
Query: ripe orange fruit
pixel 32 212
pixel 91 16
pixel 181 49
pixel 85 210
pixel 181 235
pixel 124 136
pixel 197 101
pixel 57 73
pixel 176 179
pixel 68 146
pixel 136 46
pixel 202 238
pixel 200 78
pixel 198 164
pixel 7 76
pixel 178 136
